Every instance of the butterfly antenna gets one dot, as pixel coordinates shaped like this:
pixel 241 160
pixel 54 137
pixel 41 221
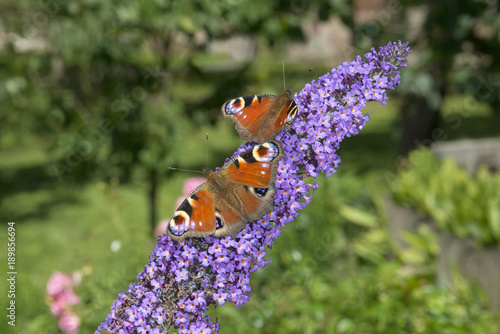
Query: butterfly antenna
pixel 186 170
pixel 284 84
pixel 206 135
pixel 310 70
pixel 190 170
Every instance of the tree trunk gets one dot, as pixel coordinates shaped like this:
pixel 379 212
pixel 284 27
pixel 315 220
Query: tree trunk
pixel 153 184
pixel 420 125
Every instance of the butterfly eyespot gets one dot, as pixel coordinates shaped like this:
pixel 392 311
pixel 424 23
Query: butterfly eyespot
pixel 261 191
pixel 266 152
pixel 179 223
pixel 233 107
pixel 219 223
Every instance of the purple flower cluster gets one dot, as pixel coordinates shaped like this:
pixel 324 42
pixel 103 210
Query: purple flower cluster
pixel 182 280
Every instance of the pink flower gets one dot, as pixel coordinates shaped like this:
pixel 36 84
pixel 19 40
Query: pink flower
pixel 191 184
pixel 57 307
pixel 161 227
pixel 58 282
pixel 69 322
pixel 60 296
pixel 62 300
pixel 69 297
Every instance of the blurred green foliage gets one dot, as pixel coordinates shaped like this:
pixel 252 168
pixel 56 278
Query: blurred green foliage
pixel 455 46
pixel 459 203
pixel 116 87
pixel 103 83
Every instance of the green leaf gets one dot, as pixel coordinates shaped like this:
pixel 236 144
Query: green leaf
pixel 494 217
pixel 358 216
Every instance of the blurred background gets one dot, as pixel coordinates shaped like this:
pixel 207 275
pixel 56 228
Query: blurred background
pixel 99 98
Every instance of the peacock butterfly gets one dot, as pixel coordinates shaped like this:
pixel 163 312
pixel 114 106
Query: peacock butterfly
pixel 241 192
pixel 259 118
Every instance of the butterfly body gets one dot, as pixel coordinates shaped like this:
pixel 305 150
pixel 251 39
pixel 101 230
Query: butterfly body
pixel 259 118
pixel 241 192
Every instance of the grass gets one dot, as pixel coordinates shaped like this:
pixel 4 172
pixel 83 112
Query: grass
pixel 76 234
pixel 316 282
